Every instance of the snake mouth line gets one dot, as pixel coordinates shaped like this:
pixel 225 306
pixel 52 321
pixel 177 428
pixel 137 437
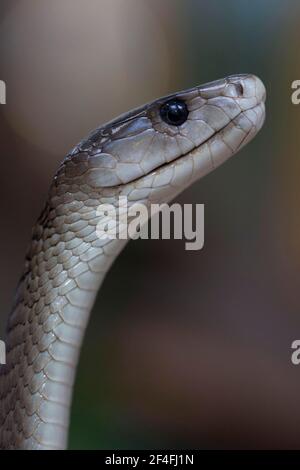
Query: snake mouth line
pixel 184 156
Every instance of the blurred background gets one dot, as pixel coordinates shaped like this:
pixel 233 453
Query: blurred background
pixel 184 349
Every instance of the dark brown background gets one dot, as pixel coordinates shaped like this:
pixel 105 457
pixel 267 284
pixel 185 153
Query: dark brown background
pixel 184 349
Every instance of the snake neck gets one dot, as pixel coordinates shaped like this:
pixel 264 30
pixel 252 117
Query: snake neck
pixel 64 268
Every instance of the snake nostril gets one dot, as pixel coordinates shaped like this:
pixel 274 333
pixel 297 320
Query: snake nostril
pixel 239 89
pixel 234 89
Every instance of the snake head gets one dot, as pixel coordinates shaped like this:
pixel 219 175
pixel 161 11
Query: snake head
pixel 171 141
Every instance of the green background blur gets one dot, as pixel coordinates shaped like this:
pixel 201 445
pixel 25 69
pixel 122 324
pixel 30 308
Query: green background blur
pixel 183 349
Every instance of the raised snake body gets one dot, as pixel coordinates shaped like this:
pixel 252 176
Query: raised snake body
pixel 140 156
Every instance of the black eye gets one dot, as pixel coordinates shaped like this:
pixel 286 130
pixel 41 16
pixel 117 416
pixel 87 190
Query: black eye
pixel 174 112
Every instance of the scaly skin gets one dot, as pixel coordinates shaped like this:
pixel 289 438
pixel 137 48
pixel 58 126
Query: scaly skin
pixel 138 156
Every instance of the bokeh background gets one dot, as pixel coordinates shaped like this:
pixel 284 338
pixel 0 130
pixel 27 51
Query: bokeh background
pixel 184 349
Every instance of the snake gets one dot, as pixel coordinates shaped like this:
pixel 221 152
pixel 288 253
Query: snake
pixel 148 155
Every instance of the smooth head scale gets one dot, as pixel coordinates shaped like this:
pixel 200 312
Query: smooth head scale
pixel 139 147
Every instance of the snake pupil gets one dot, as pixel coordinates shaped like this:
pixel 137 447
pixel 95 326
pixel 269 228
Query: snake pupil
pixel 174 112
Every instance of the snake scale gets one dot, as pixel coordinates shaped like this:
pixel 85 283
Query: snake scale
pixel 149 155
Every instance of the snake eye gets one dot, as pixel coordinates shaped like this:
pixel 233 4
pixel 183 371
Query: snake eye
pixel 174 112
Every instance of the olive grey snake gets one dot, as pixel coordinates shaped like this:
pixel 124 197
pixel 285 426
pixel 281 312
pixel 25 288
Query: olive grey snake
pixel 149 155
